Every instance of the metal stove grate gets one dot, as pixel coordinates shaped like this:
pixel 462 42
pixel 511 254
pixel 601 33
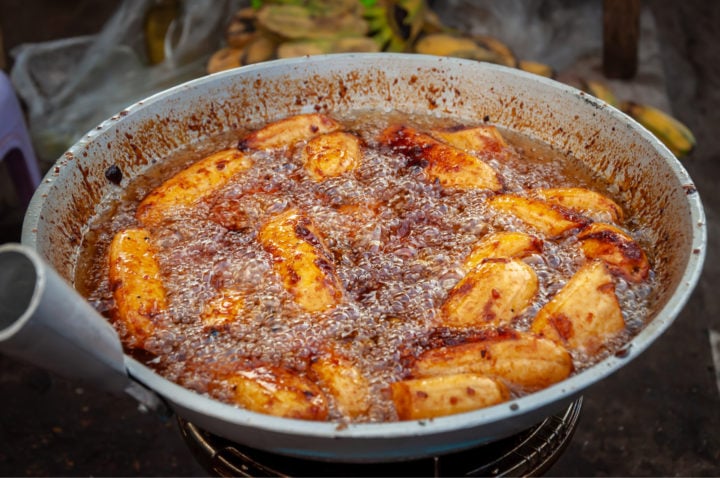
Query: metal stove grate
pixel 528 453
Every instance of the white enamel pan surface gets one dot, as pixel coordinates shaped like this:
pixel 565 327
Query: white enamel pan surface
pixel 647 178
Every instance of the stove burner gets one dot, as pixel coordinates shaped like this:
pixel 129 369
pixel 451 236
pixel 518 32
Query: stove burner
pixel 528 453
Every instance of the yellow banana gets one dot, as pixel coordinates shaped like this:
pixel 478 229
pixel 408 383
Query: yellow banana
pixel 537 68
pixel 503 53
pixel 600 91
pixel 443 44
pixel 675 135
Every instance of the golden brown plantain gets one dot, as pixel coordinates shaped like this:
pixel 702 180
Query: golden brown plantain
pixel 277 391
pixel 451 166
pixel 524 360
pixel 191 184
pixel 222 309
pixel 286 132
pixel 619 251
pixel 443 395
pixel 585 201
pixel 493 293
pixel 507 245
pixel 344 382
pixel 538 214
pixel 302 260
pixel 136 283
pixel 330 155
pixel 585 313
pixel 477 139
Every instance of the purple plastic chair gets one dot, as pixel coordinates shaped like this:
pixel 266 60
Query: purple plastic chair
pixel 15 148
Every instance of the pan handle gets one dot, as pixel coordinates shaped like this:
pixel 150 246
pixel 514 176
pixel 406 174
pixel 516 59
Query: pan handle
pixel 44 321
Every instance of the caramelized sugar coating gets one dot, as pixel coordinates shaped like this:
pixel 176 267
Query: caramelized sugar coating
pixel 370 269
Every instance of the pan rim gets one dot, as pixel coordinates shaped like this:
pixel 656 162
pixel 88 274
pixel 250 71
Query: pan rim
pixel 559 392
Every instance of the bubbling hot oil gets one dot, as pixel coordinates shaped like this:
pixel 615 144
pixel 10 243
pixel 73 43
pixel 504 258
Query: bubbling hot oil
pixel 397 241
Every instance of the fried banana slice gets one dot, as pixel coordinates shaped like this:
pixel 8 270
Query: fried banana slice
pixel 286 132
pixel 345 382
pixel 538 214
pixel 493 293
pixel 477 139
pixel 585 201
pixel 524 360
pixel 224 308
pixel 443 395
pixel 502 245
pixel 330 155
pixel 136 283
pixel 278 391
pixel 585 313
pixel 191 184
pixel 619 251
pixel 452 166
pixel 302 260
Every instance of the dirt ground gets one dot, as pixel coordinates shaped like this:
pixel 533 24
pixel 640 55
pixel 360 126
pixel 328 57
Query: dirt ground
pixel 658 416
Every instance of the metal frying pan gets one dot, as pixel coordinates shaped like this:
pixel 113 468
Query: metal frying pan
pixel 647 177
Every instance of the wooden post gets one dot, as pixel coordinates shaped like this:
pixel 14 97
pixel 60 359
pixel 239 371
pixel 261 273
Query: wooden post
pixel 621 33
pixel 3 63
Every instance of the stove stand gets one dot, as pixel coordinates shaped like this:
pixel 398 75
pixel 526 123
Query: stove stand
pixel 528 453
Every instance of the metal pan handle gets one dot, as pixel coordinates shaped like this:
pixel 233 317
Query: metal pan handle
pixel 44 321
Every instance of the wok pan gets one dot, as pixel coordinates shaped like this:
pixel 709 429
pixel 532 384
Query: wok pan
pixel 645 175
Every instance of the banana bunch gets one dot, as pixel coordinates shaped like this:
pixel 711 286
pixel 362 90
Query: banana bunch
pixel 272 29
pixel 477 47
pixel 395 24
pixel 674 134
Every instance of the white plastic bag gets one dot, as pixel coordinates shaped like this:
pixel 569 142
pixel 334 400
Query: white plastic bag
pixel 71 85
